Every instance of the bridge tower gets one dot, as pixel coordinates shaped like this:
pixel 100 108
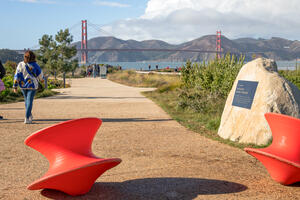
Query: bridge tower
pixel 218 44
pixel 84 53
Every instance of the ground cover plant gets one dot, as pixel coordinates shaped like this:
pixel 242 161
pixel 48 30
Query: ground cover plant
pixel 197 97
pixel 8 96
pixel 132 78
pixel 292 75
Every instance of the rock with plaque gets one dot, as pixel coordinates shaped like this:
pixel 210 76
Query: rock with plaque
pixel 258 89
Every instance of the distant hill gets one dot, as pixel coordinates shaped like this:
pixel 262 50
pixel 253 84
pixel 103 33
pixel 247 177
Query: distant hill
pixel 275 48
pixel 124 56
pixel 6 54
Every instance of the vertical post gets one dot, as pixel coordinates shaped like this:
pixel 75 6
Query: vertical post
pixel 64 79
pixel 84 54
pixel 46 82
pixel 218 44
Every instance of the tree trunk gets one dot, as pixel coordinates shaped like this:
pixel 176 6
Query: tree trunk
pixel 64 77
pixel 46 82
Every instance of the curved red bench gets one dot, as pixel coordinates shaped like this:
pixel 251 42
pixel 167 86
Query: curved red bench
pixel 73 168
pixel 282 157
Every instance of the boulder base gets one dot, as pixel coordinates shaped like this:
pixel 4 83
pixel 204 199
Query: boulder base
pixel 273 94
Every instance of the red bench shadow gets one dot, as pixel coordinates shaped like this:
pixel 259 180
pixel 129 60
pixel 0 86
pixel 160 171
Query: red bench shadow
pixel 282 157
pixel 73 168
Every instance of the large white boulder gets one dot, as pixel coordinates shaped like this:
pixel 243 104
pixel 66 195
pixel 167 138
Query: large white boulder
pixel 273 94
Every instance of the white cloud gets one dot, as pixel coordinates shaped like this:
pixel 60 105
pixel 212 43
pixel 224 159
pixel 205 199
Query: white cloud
pixel 110 4
pixel 177 21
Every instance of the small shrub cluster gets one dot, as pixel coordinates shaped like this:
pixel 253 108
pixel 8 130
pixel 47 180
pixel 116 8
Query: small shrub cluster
pixel 130 77
pixel 8 81
pixel 8 95
pixel 55 84
pixel 113 69
pixel 205 87
pixel 292 76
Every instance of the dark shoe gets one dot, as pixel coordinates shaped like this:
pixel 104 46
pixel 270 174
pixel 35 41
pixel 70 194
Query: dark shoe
pixel 1 117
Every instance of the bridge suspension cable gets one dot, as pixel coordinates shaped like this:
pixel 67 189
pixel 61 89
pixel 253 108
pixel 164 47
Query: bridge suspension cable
pixel 98 28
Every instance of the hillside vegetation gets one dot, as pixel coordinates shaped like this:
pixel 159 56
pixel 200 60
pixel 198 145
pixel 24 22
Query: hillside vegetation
pixel 195 99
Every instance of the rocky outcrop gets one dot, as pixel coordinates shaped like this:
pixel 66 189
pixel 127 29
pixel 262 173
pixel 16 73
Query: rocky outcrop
pixel 273 94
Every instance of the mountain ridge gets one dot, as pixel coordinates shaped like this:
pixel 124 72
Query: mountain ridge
pixel 275 48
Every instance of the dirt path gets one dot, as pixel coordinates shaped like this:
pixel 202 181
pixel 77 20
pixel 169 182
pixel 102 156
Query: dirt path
pixel 161 159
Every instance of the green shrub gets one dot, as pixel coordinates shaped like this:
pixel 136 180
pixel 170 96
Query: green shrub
pixel 8 81
pixel 55 84
pixel 292 76
pixel 130 77
pixel 10 67
pixel 8 95
pixel 113 69
pixel 45 93
pixel 205 87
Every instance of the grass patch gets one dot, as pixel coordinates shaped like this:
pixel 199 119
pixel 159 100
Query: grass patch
pixel 46 93
pixel 205 124
pixel 292 75
pixel 8 96
pixel 131 78
pixel 168 97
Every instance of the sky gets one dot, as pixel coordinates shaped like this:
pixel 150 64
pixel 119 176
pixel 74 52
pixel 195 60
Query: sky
pixel 24 22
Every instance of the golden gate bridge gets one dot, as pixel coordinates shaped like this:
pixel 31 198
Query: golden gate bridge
pixel 84 44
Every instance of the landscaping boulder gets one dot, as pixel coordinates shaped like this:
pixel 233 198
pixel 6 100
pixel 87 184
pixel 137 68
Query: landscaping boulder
pixel 273 94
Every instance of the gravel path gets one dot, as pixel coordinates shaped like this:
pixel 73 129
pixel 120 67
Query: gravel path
pixel 161 159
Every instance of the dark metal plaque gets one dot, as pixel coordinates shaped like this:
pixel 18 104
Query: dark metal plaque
pixel 244 94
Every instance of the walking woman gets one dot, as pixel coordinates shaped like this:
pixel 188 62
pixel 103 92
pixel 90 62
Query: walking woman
pixel 27 75
pixel 2 74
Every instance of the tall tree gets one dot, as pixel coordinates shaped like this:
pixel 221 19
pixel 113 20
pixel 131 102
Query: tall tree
pixel 74 66
pixel 47 55
pixel 65 51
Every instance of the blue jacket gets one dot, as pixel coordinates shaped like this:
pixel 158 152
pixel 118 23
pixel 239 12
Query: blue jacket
pixel 27 75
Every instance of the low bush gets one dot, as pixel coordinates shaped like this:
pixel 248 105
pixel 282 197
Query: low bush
pixel 55 84
pixel 132 78
pixel 205 87
pixel 293 76
pixel 8 95
pixel 45 93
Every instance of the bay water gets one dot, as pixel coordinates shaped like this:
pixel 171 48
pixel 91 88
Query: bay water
pixel 282 65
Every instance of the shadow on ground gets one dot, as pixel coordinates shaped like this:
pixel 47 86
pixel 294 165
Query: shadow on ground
pixel 51 121
pixel 12 108
pixel 62 96
pixel 153 188
pixel 295 185
pixel 35 121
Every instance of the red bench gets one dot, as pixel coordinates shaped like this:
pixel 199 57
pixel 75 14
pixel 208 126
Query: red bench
pixel 73 168
pixel 282 157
